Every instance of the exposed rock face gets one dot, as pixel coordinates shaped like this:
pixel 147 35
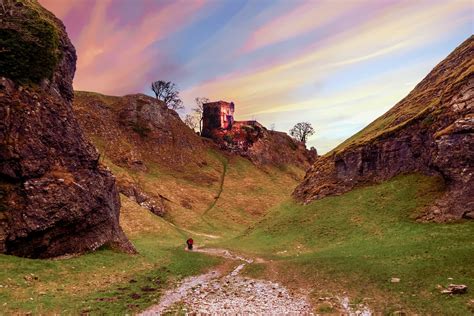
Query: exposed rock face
pixel 263 147
pixel 133 191
pixel 279 148
pixel 139 133
pixel 138 128
pixel 56 198
pixel 429 131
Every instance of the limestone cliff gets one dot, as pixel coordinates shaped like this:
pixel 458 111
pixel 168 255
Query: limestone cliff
pixel 429 131
pixel 56 198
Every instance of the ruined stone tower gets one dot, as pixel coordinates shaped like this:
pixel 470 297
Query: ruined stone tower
pixel 217 115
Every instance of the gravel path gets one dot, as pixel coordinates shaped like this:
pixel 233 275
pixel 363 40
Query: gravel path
pixel 231 294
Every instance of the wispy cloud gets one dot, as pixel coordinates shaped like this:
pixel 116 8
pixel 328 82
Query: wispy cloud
pixel 115 58
pixel 393 32
pixel 305 17
pixel 279 61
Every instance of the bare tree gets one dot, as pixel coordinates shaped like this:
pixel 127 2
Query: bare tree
pixel 167 92
pixel 191 121
pixel 199 109
pixel 302 131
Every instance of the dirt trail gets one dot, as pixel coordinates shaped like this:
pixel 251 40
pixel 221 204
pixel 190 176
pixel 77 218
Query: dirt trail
pixel 221 188
pixel 217 293
pixel 230 294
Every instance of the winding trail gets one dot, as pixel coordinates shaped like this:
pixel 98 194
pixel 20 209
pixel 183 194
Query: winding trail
pixel 221 188
pixel 216 293
pixel 231 294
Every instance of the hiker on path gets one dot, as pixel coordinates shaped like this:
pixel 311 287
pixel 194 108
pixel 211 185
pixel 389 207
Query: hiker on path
pixel 190 243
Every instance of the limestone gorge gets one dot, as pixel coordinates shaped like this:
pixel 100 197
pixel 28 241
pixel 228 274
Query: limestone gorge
pixel 99 192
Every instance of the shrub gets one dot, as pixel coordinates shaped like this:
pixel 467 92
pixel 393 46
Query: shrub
pixel 228 138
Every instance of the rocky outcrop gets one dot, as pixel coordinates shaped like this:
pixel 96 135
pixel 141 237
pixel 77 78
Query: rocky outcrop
pixel 136 130
pixel 279 148
pixel 429 131
pixel 141 135
pixel 262 146
pixel 56 198
pixel 133 191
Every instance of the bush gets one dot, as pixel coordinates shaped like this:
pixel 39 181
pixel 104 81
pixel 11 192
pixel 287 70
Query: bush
pixel 228 138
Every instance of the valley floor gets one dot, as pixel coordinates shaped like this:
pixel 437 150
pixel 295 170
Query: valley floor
pixel 228 292
pixel 351 246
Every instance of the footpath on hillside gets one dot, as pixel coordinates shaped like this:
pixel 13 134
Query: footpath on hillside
pixel 231 293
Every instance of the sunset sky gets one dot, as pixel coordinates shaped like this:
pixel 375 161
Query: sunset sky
pixel 338 64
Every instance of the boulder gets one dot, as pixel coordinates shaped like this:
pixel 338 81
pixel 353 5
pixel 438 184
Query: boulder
pixel 455 289
pixel 56 198
pixel 155 205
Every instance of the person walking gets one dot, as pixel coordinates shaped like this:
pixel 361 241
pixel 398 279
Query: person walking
pixel 190 243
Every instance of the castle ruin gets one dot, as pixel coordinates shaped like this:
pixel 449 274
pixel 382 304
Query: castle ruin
pixel 217 115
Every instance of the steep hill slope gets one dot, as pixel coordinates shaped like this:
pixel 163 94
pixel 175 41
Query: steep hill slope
pixel 429 131
pixel 137 130
pixel 56 198
pixel 164 166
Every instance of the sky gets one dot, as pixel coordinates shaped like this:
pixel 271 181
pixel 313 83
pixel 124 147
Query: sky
pixel 338 64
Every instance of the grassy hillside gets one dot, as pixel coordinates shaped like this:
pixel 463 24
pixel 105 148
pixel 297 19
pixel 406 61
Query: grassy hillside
pixel 346 245
pixel 424 101
pixel 104 281
pixel 221 199
pixel 352 244
pixel 212 201
pixel 357 242
pixel 206 190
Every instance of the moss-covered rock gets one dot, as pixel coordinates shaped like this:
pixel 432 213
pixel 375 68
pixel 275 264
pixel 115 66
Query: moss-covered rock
pixel 29 43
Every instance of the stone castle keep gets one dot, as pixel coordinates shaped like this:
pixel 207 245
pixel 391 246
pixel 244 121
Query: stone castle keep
pixel 218 118
pixel 217 115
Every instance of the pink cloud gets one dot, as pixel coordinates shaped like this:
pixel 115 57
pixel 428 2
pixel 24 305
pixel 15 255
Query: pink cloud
pixel 388 33
pixel 115 58
pixel 304 18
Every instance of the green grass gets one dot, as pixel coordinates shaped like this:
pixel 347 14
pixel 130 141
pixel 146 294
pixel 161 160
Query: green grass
pixel 358 241
pixel 103 282
pixel 351 243
pixel 254 270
